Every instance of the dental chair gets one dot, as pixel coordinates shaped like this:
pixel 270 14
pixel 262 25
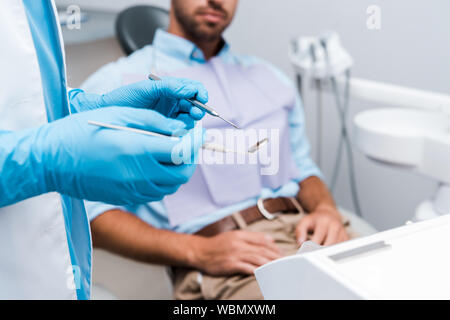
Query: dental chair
pixel 118 277
pixel 136 26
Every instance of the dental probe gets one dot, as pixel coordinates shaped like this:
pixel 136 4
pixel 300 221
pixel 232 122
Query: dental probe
pixel 140 131
pixel 200 105
pixel 207 145
pixel 219 148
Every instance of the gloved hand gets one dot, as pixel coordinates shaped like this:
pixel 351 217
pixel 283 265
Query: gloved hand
pixel 87 162
pixel 165 96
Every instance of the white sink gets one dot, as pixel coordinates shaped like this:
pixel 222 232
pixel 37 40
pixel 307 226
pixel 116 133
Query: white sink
pixel 401 136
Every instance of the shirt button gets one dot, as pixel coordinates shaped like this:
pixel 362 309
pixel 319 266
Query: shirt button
pixel 197 55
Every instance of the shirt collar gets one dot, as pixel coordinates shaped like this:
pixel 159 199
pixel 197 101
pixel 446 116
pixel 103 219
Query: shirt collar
pixel 182 48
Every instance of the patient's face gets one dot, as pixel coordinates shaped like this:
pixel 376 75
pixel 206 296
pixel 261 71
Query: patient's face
pixel 204 20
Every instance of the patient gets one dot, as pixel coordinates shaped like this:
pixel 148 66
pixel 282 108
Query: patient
pixel 211 231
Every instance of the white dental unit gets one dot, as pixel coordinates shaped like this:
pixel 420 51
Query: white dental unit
pixel 415 138
pixel 410 262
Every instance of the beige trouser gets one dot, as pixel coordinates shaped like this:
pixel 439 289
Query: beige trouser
pixel 191 284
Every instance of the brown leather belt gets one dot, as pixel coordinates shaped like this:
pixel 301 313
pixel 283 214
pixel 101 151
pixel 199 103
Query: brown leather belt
pixel 265 209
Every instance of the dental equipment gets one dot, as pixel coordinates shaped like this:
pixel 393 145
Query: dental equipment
pixel 208 146
pixel 409 262
pixel 140 131
pixel 414 136
pixel 252 150
pixel 200 105
pixel 258 145
pixel 323 60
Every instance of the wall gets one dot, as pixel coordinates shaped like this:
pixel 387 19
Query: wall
pixel 412 48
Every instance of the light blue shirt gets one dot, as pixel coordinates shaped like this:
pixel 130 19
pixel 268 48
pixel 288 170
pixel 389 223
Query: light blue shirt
pixel 169 53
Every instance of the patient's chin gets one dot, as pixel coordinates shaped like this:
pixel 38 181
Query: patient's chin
pixel 208 31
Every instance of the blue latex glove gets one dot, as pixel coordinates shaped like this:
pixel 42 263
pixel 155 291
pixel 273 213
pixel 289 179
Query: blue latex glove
pixel 87 162
pixel 165 96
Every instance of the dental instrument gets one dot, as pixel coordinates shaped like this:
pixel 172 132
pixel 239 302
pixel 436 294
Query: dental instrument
pixel 258 145
pixel 200 105
pixel 208 146
pixel 253 149
pixel 140 131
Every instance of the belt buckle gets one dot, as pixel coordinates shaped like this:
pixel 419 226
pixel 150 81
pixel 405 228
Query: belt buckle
pixel 266 214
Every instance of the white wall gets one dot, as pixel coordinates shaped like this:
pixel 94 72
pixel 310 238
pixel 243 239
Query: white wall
pixel 412 48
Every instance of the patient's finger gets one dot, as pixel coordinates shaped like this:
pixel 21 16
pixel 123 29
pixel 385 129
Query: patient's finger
pixel 320 232
pixel 258 255
pixel 260 239
pixel 268 254
pixel 256 237
pixel 301 232
pixel 244 268
pixel 332 236
pixel 343 236
pixel 257 260
pixel 274 255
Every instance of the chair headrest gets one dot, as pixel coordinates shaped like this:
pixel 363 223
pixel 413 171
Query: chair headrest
pixel 136 26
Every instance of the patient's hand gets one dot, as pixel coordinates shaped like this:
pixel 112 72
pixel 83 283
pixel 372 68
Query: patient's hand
pixel 325 224
pixel 233 252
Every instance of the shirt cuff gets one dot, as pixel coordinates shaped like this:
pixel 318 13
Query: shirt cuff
pixel 309 171
pixel 95 209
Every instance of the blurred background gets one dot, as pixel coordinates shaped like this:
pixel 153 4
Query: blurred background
pixel 411 48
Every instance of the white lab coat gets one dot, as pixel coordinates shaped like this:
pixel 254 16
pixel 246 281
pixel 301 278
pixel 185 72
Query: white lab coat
pixel 35 261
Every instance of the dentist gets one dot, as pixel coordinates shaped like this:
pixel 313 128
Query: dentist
pixel 51 158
